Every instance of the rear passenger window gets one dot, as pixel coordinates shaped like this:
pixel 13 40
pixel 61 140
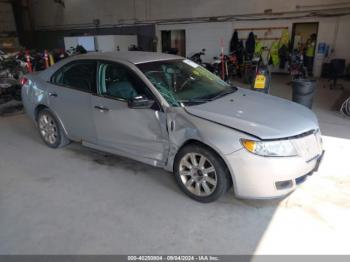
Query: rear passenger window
pixel 79 75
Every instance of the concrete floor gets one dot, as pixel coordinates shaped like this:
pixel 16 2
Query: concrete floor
pixel 78 201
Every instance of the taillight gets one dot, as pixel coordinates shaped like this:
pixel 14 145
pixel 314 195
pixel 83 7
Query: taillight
pixel 23 81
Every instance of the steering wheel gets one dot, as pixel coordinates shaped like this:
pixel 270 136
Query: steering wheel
pixel 185 83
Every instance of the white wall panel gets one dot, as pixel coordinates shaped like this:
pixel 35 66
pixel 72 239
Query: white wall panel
pixel 342 40
pixel 202 35
pixel 123 42
pixel 71 41
pixel 105 43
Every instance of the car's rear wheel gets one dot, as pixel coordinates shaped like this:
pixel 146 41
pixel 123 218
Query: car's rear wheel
pixel 50 130
pixel 201 174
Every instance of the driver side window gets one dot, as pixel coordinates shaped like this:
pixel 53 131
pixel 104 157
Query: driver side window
pixel 117 81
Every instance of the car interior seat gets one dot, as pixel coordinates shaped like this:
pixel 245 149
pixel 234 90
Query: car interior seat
pixel 118 84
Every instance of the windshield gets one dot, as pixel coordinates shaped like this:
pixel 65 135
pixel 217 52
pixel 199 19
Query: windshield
pixel 183 81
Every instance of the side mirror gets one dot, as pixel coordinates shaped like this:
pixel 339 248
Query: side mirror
pixel 140 102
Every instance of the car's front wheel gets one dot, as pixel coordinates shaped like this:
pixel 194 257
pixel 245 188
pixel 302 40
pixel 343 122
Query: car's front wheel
pixel 50 130
pixel 201 173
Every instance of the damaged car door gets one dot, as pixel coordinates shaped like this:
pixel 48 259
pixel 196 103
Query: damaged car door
pixel 127 116
pixel 69 96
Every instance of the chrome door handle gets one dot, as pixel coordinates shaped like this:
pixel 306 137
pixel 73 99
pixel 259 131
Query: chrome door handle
pixel 102 108
pixel 53 94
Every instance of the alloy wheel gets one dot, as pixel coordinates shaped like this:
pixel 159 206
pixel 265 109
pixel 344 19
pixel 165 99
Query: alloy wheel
pixel 198 174
pixel 48 129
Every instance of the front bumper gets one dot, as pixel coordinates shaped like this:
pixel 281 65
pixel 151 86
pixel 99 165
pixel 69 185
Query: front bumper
pixel 268 177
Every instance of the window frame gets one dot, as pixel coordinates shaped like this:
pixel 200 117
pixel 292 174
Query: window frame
pixel 93 89
pixel 102 61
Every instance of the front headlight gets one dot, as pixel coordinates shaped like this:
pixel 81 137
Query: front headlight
pixel 270 148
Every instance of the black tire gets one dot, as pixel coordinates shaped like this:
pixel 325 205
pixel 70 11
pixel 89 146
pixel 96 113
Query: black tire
pixel 223 177
pixel 61 139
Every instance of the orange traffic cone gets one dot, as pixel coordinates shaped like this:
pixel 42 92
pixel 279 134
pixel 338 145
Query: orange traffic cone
pixel 46 57
pixel 29 63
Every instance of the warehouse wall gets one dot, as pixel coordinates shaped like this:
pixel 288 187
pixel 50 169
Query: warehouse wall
pixel 342 39
pixel 7 21
pixel 82 12
pixel 8 34
pixel 50 39
pixel 165 9
pixel 209 35
pixel 52 19
pixel 202 35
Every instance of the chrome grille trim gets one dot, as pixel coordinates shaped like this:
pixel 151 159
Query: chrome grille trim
pixel 307 133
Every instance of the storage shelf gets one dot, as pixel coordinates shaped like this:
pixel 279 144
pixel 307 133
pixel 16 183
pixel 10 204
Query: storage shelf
pixel 262 28
pixel 264 38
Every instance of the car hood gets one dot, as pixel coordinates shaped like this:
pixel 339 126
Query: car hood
pixel 261 115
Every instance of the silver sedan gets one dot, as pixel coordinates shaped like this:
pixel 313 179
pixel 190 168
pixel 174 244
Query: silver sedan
pixel 169 112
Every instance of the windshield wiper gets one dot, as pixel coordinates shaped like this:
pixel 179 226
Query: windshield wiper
pixel 194 100
pixel 224 93
pixel 204 100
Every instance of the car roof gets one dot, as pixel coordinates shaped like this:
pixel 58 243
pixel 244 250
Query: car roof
pixel 135 57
